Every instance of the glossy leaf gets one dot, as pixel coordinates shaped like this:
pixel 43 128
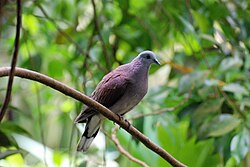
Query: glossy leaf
pixel 220 125
pixel 240 144
pixel 236 88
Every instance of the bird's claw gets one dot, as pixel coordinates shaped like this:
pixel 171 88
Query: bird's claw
pixel 122 118
pixel 129 124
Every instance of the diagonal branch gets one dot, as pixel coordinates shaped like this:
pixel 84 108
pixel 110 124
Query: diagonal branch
pixel 32 75
pixel 13 61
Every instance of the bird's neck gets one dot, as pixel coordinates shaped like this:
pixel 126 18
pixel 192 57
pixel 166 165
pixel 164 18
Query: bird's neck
pixel 140 70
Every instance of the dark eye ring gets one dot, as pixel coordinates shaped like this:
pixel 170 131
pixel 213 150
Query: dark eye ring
pixel 148 56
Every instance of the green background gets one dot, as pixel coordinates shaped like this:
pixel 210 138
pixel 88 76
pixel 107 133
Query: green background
pixel 204 78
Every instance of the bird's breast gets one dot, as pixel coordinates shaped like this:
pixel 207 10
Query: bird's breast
pixel 131 98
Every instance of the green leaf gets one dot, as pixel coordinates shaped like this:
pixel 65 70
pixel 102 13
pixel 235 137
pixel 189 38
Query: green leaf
pixel 187 24
pixel 5 141
pixel 247 62
pixel 235 88
pixel 205 109
pixel 30 23
pixel 192 81
pixel 231 162
pixel 124 5
pixel 55 68
pixel 60 36
pixel 35 148
pixel 220 125
pixel 8 153
pixel 33 63
pixel 173 137
pixel 201 21
pixel 10 127
pixel 67 106
pixel 230 63
pixel 240 145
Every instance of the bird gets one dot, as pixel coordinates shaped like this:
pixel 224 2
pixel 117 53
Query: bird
pixel 120 91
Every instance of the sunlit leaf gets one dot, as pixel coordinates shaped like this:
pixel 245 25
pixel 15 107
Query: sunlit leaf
pixel 240 144
pixel 231 62
pixel 235 88
pixel 35 148
pixel 15 160
pixel 30 23
pixel 231 162
pixel 201 21
pixel 55 68
pixel 67 106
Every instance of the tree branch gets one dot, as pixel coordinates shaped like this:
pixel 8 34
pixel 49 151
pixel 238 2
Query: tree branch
pixel 14 60
pixel 32 75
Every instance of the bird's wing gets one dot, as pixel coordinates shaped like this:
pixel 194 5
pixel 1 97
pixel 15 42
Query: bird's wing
pixel 108 92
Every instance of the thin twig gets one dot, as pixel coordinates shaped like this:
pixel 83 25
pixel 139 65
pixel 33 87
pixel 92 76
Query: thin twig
pixel 122 150
pixel 68 37
pixel 149 30
pixel 188 5
pixel 70 152
pixel 40 124
pixel 232 104
pixel 14 59
pixel 85 62
pixel 97 27
pixel 114 50
pixel 158 112
pixel 41 78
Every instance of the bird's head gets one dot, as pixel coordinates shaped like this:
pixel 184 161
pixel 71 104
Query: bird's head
pixel 148 57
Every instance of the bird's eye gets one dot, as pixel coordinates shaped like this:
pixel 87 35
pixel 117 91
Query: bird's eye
pixel 148 57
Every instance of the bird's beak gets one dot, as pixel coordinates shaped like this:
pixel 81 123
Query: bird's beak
pixel 157 62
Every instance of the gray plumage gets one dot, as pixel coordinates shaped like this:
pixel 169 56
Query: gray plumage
pixel 120 90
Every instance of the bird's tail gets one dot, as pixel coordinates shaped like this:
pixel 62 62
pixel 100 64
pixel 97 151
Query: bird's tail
pixel 91 129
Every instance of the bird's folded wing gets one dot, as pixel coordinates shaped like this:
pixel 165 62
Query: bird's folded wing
pixel 108 92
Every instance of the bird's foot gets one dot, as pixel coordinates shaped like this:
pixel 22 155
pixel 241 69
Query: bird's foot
pixel 129 124
pixel 122 118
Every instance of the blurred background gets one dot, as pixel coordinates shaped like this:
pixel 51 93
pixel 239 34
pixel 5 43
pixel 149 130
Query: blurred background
pixel 197 107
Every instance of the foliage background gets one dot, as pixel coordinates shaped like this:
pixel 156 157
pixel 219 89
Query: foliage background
pixel 204 49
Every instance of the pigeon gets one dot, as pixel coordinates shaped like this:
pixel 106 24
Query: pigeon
pixel 119 91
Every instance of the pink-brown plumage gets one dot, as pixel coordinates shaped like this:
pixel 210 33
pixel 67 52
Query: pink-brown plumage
pixel 120 90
